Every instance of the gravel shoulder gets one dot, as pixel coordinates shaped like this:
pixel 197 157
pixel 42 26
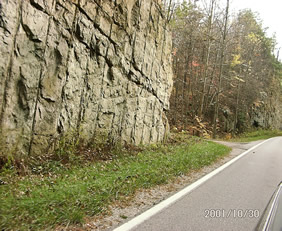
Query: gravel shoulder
pixel 147 198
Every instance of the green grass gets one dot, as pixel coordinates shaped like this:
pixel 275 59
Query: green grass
pixel 257 135
pixel 65 196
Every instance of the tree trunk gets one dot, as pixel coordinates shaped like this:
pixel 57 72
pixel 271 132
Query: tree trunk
pixel 220 70
pixel 207 59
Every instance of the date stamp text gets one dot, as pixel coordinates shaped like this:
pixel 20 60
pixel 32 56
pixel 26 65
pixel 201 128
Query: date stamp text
pixel 232 213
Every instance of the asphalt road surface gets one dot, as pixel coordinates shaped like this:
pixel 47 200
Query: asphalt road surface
pixel 233 199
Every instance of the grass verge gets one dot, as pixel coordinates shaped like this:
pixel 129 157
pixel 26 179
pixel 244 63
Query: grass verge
pixel 64 196
pixel 257 135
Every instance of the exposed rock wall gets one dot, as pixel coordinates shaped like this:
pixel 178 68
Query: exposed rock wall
pixel 266 112
pixel 100 66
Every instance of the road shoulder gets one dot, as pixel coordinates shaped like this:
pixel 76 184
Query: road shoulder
pixel 145 199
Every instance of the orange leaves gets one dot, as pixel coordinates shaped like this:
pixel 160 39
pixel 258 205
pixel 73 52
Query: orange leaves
pixel 195 64
pixel 174 52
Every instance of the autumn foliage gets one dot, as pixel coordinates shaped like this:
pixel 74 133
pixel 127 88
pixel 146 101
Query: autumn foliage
pixel 226 76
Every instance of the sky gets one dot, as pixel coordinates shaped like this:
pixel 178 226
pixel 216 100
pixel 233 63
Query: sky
pixel 270 12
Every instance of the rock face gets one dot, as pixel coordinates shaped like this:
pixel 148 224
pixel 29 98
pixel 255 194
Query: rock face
pixel 97 66
pixel 266 112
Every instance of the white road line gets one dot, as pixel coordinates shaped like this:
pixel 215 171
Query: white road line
pixel 157 208
pixel 271 214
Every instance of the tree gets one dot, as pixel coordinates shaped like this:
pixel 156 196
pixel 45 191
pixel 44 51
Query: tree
pixel 222 51
pixel 224 69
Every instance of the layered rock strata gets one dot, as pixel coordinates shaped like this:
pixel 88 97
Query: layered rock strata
pixel 89 66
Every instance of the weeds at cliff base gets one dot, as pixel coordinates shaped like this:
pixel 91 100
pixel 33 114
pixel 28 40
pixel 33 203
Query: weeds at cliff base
pixel 57 194
pixel 258 134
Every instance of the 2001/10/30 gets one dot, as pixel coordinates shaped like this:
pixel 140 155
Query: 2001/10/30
pixel 232 213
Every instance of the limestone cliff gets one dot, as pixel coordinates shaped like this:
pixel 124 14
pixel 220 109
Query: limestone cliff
pixel 97 66
pixel 266 111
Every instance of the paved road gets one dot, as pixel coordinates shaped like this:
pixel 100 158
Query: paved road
pixel 231 200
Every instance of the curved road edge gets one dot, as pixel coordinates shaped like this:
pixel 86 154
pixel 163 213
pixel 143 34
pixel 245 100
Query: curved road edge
pixel 157 208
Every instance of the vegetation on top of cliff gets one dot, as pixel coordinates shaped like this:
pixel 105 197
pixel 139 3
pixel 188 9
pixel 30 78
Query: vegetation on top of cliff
pixel 226 72
pixel 63 194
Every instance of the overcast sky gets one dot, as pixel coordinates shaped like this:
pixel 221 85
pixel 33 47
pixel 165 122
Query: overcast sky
pixel 270 12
